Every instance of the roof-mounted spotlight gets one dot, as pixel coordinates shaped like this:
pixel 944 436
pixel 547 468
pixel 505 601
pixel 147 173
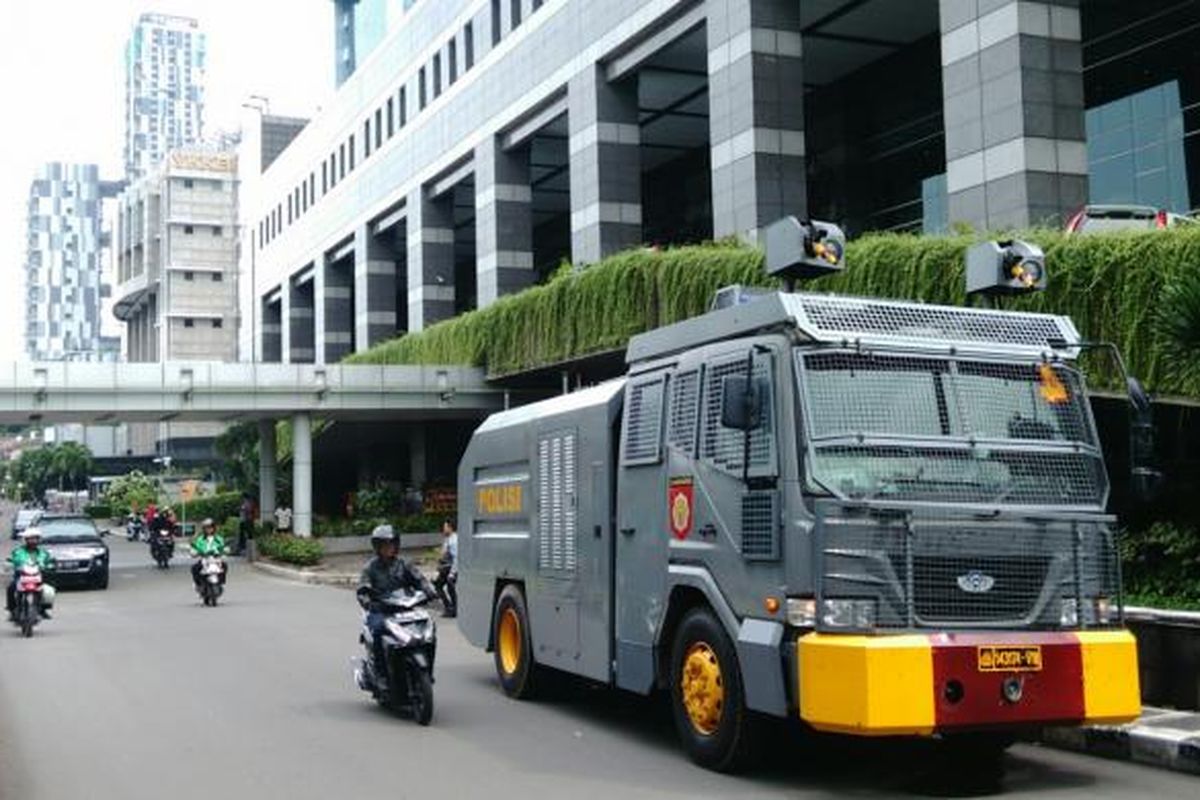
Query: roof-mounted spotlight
pixel 802 250
pixel 1005 268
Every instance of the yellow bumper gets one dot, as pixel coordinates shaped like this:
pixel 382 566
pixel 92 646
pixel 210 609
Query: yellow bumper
pixel 919 684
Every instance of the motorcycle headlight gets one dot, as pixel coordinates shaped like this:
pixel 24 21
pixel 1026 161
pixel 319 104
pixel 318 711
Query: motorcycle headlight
pixel 398 631
pixel 801 612
pixel 845 613
pixel 1069 613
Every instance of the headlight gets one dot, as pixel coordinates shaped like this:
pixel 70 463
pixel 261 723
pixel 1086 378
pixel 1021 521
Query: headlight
pixel 1069 615
pixel 801 612
pixel 1105 612
pixel 848 613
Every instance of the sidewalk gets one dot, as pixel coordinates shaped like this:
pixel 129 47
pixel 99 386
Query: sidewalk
pixel 1161 738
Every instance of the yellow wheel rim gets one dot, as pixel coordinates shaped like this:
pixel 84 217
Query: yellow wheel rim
pixel 510 641
pixel 702 689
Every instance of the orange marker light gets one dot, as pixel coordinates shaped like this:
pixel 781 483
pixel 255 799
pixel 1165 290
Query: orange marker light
pixel 1052 389
pixel 771 604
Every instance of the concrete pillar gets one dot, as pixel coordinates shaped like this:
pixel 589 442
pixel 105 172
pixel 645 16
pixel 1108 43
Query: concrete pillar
pixel 1012 86
pixel 430 259
pixel 756 113
pixel 272 332
pixel 605 162
pixel 417 461
pixel 302 474
pixel 375 318
pixel 338 305
pixel 301 346
pixel 503 221
pixel 267 469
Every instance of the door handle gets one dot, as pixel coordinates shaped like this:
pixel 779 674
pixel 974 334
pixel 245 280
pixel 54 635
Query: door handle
pixel 628 531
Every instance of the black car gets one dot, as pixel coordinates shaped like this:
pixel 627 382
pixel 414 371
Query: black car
pixel 80 555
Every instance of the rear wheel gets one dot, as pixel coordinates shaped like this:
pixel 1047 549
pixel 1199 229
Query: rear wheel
pixel 513 652
pixel 707 698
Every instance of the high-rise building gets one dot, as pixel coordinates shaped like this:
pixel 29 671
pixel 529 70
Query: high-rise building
pixel 359 27
pixel 64 282
pixel 176 261
pixel 165 62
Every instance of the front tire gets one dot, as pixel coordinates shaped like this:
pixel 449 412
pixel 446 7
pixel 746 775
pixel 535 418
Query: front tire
pixel 513 648
pixel 422 696
pixel 708 701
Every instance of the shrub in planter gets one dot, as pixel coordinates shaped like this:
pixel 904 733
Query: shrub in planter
pixel 98 511
pixel 291 549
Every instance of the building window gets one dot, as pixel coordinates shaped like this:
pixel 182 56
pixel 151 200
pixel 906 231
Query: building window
pixel 437 74
pixel 452 60
pixel 403 106
pixel 188 230
pixel 516 13
pixel 366 138
pixel 189 322
pixel 341 161
pixel 496 32
pixel 217 231
pixel 378 127
pixel 324 177
pixel 312 188
pixel 189 276
pixel 188 183
pixel 468 46
pixel 218 323
pixel 421 89
pixel 391 116
pixel 351 149
pixel 218 277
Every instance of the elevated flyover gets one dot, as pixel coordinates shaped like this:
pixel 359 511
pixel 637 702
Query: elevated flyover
pixel 60 392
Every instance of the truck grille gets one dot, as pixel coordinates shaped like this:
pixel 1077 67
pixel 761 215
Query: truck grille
pixel 946 569
pixel 937 596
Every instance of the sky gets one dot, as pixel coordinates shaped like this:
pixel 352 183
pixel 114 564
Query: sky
pixel 62 93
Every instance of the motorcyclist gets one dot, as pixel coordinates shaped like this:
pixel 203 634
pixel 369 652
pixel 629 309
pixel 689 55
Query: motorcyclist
pixel 447 575
pixel 384 574
pixel 29 551
pixel 208 543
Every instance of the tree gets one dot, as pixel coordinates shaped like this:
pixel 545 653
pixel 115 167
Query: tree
pixel 238 448
pixel 131 492
pixel 72 464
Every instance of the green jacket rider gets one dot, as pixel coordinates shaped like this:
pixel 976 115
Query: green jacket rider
pixel 209 543
pixel 37 554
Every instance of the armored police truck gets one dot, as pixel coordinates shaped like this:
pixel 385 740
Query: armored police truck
pixel 884 518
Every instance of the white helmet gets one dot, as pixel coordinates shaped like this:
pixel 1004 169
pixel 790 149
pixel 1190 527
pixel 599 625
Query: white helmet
pixel 32 532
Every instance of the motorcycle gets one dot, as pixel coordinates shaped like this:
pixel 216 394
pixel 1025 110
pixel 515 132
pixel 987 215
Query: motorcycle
pixel 210 588
pixel 29 604
pixel 162 548
pixel 404 681
pixel 134 529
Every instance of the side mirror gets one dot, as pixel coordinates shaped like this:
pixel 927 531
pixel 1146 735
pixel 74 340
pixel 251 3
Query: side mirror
pixel 1144 479
pixel 741 403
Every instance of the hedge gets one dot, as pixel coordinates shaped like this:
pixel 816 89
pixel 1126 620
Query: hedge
pixel 98 511
pixel 291 549
pixel 362 526
pixel 219 507
pixel 1114 286
pixel 1161 566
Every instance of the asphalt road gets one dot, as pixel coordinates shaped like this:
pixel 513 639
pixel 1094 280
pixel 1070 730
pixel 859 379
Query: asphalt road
pixel 140 692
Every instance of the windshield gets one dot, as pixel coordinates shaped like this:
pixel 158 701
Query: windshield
pixel 941 429
pixel 66 529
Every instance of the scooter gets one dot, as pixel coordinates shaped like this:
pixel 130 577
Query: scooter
pixel 210 587
pixel 134 528
pixel 403 682
pixel 27 611
pixel 162 548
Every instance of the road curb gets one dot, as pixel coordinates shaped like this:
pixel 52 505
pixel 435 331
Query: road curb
pixel 1177 750
pixel 311 577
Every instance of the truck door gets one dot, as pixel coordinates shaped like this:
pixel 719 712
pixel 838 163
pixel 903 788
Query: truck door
pixel 641 563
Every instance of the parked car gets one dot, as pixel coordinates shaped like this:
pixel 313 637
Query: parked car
pixel 1093 219
pixel 25 517
pixel 80 554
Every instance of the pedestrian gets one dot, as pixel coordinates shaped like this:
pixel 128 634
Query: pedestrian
pixel 245 522
pixel 447 576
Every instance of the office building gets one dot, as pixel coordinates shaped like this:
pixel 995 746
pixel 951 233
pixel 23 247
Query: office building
pixel 485 140
pixel 64 281
pixel 176 261
pixel 165 62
